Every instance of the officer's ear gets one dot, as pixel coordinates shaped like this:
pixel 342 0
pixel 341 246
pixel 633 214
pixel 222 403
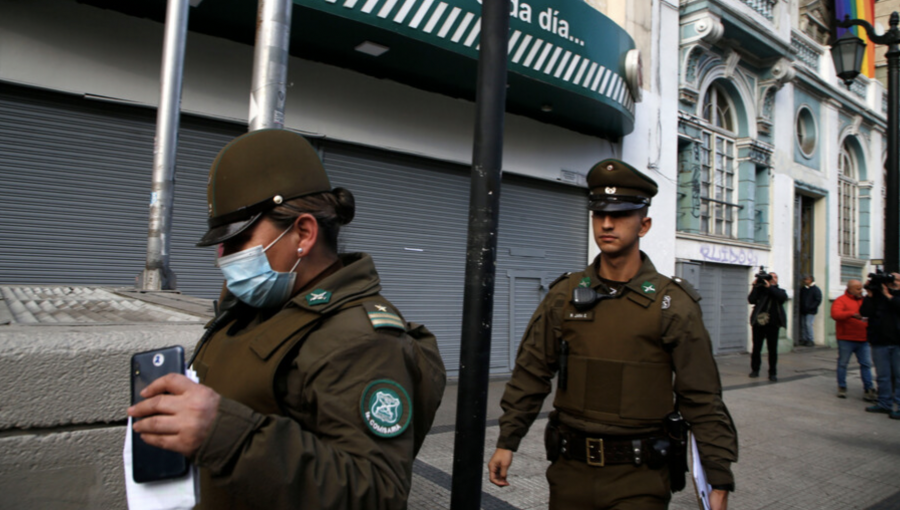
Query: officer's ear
pixel 646 223
pixel 306 228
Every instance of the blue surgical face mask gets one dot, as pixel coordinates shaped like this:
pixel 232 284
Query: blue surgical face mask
pixel 249 276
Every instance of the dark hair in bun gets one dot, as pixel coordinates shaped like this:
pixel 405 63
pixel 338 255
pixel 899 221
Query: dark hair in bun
pixel 331 209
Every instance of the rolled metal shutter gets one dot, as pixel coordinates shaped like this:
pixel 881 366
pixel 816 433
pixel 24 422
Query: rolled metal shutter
pixel 724 304
pixel 75 186
pixel 412 217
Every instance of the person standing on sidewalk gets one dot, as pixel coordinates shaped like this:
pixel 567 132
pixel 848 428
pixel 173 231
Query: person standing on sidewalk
pixel 850 329
pixel 882 307
pixel 616 333
pixel 810 299
pixel 766 319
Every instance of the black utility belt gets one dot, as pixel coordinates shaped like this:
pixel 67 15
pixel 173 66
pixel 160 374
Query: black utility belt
pixel 600 451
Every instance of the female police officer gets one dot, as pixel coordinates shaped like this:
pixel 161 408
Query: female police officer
pixel 314 391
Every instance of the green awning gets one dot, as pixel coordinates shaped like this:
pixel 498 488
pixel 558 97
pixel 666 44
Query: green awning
pixel 566 59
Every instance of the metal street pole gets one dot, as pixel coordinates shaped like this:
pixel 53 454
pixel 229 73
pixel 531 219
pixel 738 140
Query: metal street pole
pixel 157 274
pixel 481 257
pixel 270 61
pixel 891 38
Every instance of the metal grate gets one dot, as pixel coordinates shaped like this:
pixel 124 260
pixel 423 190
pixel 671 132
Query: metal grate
pixel 68 305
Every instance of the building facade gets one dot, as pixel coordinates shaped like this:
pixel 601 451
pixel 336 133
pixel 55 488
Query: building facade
pixel 383 88
pixel 780 165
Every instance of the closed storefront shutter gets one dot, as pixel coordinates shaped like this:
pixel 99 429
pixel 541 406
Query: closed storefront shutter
pixel 724 304
pixel 75 186
pixel 412 217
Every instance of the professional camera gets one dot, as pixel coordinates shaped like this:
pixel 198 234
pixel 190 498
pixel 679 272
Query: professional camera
pixel 879 277
pixel 762 276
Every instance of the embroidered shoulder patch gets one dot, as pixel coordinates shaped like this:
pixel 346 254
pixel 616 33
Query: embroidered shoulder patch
pixel 318 297
pixel 382 316
pixel 385 408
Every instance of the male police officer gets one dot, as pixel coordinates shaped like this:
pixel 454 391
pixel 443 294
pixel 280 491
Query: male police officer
pixel 616 332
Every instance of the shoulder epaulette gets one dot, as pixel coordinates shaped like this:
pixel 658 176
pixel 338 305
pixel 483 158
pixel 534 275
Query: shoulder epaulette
pixel 383 316
pixel 561 278
pixel 687 287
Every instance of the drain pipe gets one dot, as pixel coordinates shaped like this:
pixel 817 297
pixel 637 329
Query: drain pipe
pixel 270 61
pixel 157 274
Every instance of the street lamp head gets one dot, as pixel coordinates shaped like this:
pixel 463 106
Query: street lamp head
pixel 848 52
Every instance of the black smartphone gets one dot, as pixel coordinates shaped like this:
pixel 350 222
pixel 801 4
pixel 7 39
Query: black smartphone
pixel 149 463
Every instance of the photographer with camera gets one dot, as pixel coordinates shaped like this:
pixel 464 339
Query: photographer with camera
pixel 882 307
pixel 766 319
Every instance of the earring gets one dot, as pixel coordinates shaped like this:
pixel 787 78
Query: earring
pixel 299 253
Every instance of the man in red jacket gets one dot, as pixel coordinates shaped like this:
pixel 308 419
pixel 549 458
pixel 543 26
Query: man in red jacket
pixel 851 334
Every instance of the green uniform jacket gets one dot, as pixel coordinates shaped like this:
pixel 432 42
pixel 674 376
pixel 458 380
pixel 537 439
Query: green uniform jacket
pixel 291 430
pixel 614 385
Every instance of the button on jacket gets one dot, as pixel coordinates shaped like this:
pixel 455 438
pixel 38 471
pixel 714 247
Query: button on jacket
pixel 622 355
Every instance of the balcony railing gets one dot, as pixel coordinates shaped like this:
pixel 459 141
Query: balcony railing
pixel 858 88
pixel 764 7
pixel 805 52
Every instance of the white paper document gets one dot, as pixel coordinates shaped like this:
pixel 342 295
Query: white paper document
pixel 175 494
pixel 701 486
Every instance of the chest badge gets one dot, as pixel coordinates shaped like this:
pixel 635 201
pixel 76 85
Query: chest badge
pixel 585 282
pixel 318 297
pixel 385 408
pixel 667 302
pixel 580 316
pixel 648 288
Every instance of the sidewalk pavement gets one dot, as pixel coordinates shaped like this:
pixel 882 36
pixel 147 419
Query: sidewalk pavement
pixel 801 447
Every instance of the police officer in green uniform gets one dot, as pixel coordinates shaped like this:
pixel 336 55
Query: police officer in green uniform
pixel 314 393
pixel 615 334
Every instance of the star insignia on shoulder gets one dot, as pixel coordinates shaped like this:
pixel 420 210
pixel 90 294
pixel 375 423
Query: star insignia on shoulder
pixel 381 308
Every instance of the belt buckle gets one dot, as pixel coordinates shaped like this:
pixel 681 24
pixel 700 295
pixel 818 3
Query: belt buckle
pixel 594 450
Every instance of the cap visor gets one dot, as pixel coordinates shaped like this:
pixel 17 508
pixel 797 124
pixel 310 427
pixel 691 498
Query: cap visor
pixel 614 206
pixel 223 233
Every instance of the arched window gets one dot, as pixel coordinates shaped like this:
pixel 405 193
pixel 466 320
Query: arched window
pixel 717 108
pixel 848 201
pixel 718 207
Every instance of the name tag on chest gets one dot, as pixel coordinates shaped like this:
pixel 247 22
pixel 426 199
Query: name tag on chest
pixel 580 316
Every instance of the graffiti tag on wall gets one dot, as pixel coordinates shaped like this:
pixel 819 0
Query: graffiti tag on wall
pixel 729 255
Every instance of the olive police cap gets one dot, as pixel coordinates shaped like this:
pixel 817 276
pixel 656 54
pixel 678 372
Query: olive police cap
pixel 253 174
pixel 618 186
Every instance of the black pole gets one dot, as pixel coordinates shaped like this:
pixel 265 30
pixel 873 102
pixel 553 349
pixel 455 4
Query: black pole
pixel 481 257
pixel 892 203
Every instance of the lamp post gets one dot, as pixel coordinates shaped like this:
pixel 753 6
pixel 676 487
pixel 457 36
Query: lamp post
pixel 847 53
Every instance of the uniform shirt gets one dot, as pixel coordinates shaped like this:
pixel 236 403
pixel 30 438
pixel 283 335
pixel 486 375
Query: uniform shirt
pixel 314 449
pixel 696 385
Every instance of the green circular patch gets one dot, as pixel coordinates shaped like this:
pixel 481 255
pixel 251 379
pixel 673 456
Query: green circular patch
pixel 385 408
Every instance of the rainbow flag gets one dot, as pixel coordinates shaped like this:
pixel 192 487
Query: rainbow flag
pixel 859 9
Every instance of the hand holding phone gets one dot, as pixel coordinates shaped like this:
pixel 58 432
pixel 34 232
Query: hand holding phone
pixel 150 463
pixel 174 414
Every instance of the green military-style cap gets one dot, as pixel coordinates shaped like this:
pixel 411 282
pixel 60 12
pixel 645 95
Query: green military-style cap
pixel 255 173
pixel 618 186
